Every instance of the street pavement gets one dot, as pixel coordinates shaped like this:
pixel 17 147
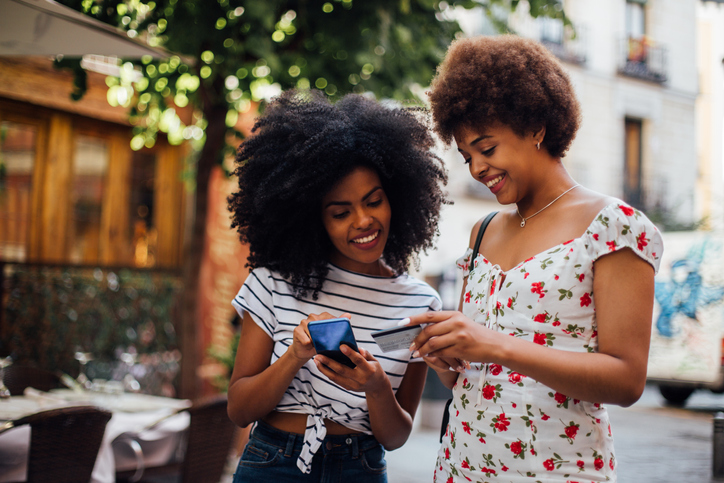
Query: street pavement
pixel 654 443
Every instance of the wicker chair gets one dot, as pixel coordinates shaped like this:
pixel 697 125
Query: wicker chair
pixel 17 378
pixel 209 441
pixel 64 443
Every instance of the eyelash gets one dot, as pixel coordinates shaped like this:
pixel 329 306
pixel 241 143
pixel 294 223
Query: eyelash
pixel 486 153
pixel 373 204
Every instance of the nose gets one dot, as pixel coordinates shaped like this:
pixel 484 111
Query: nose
pixel 363 219
pixel 478 167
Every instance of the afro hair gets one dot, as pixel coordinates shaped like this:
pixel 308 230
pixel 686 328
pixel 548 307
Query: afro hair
pixel 300 147
pixel 506 80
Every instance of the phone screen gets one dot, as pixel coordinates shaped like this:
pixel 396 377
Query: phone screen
pixel 328 335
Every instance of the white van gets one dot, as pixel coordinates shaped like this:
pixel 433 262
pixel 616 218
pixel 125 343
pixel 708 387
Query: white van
pixel 688 322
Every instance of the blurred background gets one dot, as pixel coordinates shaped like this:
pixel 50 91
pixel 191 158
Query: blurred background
pixel 119 120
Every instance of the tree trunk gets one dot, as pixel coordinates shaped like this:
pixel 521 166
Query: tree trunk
pixel 188 327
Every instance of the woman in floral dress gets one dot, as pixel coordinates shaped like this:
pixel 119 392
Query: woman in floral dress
pixel 556 308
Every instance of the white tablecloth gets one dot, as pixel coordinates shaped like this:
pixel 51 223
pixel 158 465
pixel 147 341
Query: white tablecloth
pixel 132 414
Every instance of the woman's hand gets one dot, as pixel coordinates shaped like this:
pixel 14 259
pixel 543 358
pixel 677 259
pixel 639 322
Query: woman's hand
pixel 368 375
pixel 302 347
pixel 451 338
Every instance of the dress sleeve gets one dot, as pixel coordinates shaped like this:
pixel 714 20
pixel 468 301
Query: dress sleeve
pixel 255 298
pixel 620 226
pixel 463 262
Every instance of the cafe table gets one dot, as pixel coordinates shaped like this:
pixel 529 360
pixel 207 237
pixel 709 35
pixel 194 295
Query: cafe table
pixel 144 430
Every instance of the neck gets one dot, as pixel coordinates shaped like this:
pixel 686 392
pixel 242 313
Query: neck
pixel 548 187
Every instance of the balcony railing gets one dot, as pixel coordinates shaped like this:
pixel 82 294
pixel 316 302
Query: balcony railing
pixel 641 59
pixel 566 43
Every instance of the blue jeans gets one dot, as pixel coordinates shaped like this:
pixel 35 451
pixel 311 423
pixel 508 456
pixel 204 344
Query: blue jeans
pixel 271 455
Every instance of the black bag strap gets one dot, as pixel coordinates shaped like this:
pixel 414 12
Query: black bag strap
pixel 476 248
pixel 481 232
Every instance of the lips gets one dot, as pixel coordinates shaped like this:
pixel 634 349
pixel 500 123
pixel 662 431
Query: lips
pixel 367 240
pixel 495 182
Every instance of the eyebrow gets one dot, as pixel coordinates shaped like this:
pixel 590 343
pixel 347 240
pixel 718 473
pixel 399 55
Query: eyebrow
pixel 346 203
pixel 477 140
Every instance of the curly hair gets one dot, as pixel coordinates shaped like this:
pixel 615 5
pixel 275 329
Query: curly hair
pixel 300 148
pixel 509 80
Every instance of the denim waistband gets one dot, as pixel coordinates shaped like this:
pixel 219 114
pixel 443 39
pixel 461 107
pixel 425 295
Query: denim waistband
pixel 290 443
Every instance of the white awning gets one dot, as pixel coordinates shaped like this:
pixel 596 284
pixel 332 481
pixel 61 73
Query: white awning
pixel 47 28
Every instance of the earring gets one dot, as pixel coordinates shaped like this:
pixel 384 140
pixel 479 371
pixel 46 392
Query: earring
pixel 538 145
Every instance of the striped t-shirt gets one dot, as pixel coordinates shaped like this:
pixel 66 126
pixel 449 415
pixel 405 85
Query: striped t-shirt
pixel 374 302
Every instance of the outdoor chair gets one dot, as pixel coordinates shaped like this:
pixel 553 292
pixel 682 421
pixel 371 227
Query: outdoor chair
pixel 17 378
pixel 64 443
pixel 208 444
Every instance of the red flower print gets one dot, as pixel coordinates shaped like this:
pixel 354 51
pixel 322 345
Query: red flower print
pixel 450 480
pixel 488 392
pixel 504 468
pixel 580 464
pixel 503 422
pixel 466 427
pixel 526 275
pixel 515 448
pixel 556 323
pixel 467 298
pixel 556 277
pixel 585 300
pixel 465 382
pixel 545 417
pixel 510 302
pixel 595 236
pixel 537 287
pixel 492 288
pixel 626 210
pixel 532 451
pixel 529 259
pixel 548 464
pixel 465 464
pixel 498 305
pixel 540 318
pixel 581 277
pixel 495 369
pixel 487 471
pixel 571 431
pixel 611 245
pixel 610 464
pixel 482 440
pixel 447 453
pixel 598 463
pixel 569 241
pixel 514 405
pixel 560 398
pixel 540 339
pixel 515 378
pixel 642 241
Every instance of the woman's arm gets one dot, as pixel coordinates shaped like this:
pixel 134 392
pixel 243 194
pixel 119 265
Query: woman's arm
pixel 256 387
pixel 390 415
pixel 624 294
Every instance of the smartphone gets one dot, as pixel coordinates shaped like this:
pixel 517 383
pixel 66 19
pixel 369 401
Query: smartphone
pixel 396 338
pixel 327 335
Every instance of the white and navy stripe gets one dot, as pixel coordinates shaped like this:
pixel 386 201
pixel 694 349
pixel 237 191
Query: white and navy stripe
pixel 374 302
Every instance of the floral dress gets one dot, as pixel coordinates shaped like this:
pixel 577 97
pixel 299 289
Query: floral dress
pixel 505 426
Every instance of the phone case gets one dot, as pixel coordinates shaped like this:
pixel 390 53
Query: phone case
pixel 328 335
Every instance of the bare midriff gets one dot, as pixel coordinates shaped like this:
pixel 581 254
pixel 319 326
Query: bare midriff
pixel 297 423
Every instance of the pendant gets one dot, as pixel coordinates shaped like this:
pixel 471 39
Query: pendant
pixel 522 223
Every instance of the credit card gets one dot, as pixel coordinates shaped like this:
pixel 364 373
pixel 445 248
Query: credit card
pixel 396 338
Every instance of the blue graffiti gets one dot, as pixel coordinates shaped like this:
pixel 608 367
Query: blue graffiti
pixel 684 293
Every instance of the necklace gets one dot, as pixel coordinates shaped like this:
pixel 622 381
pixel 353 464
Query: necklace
pixel 523 220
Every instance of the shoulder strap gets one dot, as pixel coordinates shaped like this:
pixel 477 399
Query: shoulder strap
pixel 481 232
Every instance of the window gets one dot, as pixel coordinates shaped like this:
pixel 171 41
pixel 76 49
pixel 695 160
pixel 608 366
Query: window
pixel 90 168
pixel 17 162
pixel 632 188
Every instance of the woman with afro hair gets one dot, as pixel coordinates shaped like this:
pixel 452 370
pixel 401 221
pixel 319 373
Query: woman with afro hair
pixel 334 201
pixel 555 313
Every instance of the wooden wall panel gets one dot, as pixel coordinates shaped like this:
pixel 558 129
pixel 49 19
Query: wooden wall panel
pixel 115 246
pixel 168 204
pixel 55 211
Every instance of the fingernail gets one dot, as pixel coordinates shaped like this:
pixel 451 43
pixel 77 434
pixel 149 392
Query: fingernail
pixel 404 321
pixel 412 346
pixel 416 354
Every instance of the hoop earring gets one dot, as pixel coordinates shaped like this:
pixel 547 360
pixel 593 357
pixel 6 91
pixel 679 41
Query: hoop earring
pixel 538 145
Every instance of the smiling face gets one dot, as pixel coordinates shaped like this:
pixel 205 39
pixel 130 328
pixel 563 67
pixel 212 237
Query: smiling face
pixel 500 159
pixel 356 215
